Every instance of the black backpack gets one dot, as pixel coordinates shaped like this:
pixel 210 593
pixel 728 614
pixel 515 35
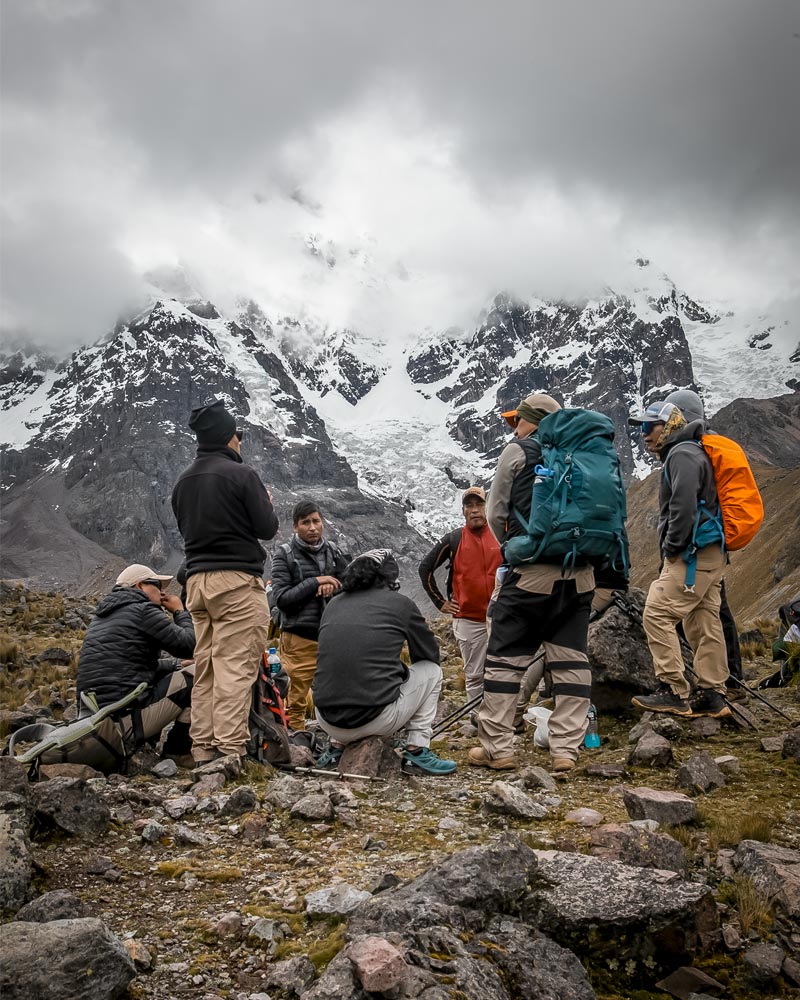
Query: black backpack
pixel 269 735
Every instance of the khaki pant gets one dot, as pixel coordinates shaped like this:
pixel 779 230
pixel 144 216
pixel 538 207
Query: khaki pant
pixel 231 624
pixel 472 638
pixel 668 603
pixel 414 710
pixel 299 660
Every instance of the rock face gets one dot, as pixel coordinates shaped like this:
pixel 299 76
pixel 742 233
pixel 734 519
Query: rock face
pixel 16 864
pixel 337 900
pixel 63 960
pixel 373 757
pixel 775 870
pixel 637 847
pixel 619 911
pixel 619 657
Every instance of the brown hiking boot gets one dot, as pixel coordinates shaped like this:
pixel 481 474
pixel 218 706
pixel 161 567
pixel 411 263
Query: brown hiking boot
pixel 664 700
pixel 710 703
pixel 478 757
pixel 562 764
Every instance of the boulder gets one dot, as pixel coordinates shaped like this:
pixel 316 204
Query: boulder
pixel 460 891
pixel 63 960
pixel 175 808
pixel 14 777
pixel 166 768
pixel 70 805
pixel 774 870
pixel 763 962
pixel 16 863
pixel 316 807
pixel 228 925
pixel 537 777
pixel 186 836
pixel 241 800
pixel 728 764
pixel 230 767
pixel 505 798
pixel 640 848
pixel 651 750
pixel 704 727
pixel 292 976
pixel 700 774
pixel 373 757
pixel 667 808
pixel 284 790
pixel 337 982
pixel 378 964
pixel 55 655
pixel 620 658
pixel 773 744
pixel 153 831
pixel 687 982
pixel 209 784
pixel 584 817
pixel 335 900
pixel 635 917
pixel 60 904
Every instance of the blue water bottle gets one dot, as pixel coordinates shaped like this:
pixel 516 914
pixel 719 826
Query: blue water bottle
pixel 592 738
pixel 273 660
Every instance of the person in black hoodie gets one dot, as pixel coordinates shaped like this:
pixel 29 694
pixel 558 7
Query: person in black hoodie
pixel 305 575
pixel 223 509
pixel 122 648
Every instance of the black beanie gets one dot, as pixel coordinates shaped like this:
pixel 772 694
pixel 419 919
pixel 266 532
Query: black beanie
pixel 212 424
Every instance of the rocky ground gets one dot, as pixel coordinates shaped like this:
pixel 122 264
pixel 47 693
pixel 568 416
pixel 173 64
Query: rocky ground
pixel 676 844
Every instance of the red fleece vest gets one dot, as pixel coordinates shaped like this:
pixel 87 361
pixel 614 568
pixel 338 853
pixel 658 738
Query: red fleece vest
pixel 476 561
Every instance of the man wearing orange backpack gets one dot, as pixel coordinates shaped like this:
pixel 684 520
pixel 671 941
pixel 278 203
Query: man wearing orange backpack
pixel 708 501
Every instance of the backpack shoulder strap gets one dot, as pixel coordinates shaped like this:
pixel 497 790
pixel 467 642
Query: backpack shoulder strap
pixel 674 448
pixel 453 541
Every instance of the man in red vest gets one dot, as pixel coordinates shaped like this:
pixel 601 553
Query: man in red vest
pixel 472 555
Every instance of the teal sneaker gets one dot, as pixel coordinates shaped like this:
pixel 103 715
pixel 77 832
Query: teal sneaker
pixel 428 762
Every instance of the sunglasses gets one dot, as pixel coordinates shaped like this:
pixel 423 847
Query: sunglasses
pixel 152 583
pixel 649 425
pixel 239 432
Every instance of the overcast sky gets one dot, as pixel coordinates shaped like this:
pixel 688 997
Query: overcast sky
pixel 440 150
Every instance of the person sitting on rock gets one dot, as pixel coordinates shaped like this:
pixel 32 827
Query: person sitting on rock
pixel 305 575
pixel 121 649
pixel 362 688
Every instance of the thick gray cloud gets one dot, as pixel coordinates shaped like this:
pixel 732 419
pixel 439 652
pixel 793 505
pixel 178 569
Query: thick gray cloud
pixel 513 144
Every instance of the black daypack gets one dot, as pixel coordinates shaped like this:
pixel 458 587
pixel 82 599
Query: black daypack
pixel 269 734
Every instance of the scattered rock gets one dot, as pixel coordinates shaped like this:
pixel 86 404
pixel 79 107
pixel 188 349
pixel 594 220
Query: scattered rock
pixel 268 934
pixel 210 784
pixel 743 718
pixel 700 773
pixel 667 726
pixel 284 790
pixel 301 756
pixel 619 657
pixel 503 797
pixel 337 981
pixel 98 864
pixel 16 863
pixel 537 777
pixel 60 904
pixel 254 829
pixel 773 744
pixel 139 955
pixel 335 900
pixel 241 800
pixel 642 848
pixel 791 970
pixel 704 727
pixel 56 655
pixel 731 937
pixel 728 764
pixel 667 808
pixel 229 767
pixel 611 772
pixel 373 757
pixel 652 750
pixel 14 777
pixel 175 808
pixel 584 817
pixel 642 727
pixel 774 870
pixel 49 771
pixel 166 768
pixel 142 762
pixel 71 805
pixel 388 880
pixel 686 982
pixel 619 912
pixel 293 976
pixel 791 745
pixel 315 807
pixel 228 925
pixel 378 964
pixel 153 831
pixel 764 962
pixel 187 836
pixel 63 959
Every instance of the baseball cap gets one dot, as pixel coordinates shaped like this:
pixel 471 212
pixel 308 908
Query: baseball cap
pixel 138 572
pixel 474 491
pixel 655 413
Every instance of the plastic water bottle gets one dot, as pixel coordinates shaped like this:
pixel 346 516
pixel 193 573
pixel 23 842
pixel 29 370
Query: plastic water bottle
pixel 273 660
pixel 592 738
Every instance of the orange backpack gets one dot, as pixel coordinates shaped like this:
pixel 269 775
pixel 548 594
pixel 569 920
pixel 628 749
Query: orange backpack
pixel 739 500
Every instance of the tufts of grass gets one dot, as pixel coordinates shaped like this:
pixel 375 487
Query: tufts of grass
pixel 752 905
pixel 9 650
pixel 755 826
pixel 685 836
pixel 174 869
pixel 752 650
pixel 729 831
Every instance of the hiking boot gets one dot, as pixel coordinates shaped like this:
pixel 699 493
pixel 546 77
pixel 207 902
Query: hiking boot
pixel 181 759
pixel 329 760
pixel 664 700
pixel 478 757
pixel 736 693
pixel 562 764
pixel 709 703
pixel 428 762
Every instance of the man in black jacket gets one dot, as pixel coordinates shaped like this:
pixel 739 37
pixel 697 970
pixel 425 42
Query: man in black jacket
pixel 305 575
pixel 222 509
pixel 122 647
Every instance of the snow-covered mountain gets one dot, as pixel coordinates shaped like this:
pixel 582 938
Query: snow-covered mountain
pixel 389 433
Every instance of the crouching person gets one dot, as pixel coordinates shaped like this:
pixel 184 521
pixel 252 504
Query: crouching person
pixel 362 688
pixel 122 648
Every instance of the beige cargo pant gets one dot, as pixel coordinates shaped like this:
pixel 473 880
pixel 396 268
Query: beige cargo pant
pixel 231 624
pixel 472 638
pixel 668 603
pixel 299 660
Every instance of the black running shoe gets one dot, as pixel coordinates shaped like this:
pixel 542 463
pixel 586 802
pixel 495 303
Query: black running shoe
pixel 663 701
pixel 710 703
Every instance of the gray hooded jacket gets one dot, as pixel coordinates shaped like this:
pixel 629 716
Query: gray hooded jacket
pixel 687 479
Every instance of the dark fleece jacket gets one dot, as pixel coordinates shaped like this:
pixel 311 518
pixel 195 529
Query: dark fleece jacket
pixel 222 510
pixel 123 642
pixel 687 478
pixel 294 585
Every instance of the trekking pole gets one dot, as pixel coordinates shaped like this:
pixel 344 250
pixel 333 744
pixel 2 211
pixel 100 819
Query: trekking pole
pixel 455 715
pixel 760 697
pixel 336 775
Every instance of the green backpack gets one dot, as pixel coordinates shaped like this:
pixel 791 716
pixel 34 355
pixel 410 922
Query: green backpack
pixel 578 508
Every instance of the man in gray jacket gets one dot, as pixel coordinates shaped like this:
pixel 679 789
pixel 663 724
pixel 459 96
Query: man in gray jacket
pixel 687 480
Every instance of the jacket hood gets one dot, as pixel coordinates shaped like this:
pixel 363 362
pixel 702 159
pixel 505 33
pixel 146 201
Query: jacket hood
pixel 118 598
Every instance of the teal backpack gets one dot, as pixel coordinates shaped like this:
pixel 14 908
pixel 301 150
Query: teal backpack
pixel 578 508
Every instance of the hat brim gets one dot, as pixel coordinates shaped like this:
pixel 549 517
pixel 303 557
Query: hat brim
pixel 644 419
pixel 510 417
